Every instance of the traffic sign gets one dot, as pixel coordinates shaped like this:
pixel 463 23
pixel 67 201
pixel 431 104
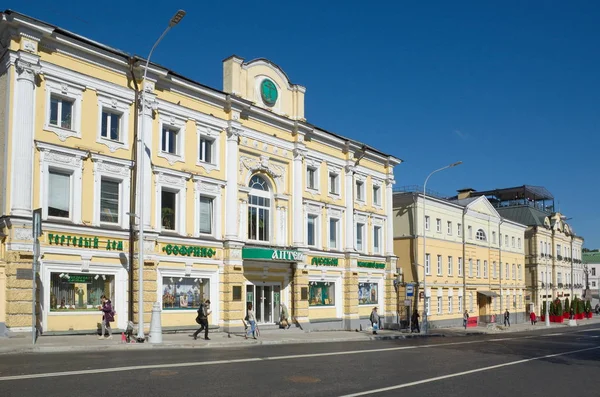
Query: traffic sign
pixel 410 290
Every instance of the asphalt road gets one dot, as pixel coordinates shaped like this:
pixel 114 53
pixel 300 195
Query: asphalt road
pixel 531 364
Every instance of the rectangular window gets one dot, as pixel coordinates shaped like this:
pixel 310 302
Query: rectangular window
pixel 311 230
pixel 368 293
pixel 450 266
pixel 321 293
pixel 111 123
pixel 506 240
pixel 485 269
pixel 439 305
pixel 376 195
pixel 59 194
pixel 593 271
pixel 359 236
pixel 514 271
pixel 449 304
pixel 333 183
pixel 518 272
pixel 427 264
pixel 460 304
pixel 79 292
pixel 427 222
pixel 493 237
pixel 206 150
pixel 333 233
pixel 459 230
pixel 507 271
pixel 460 266
pixel 478 268
pixel 109 201
pixel 360 191
pixel 61 112
pixel 513 242
pixel 438 225
pixel 377 239
pixel 168 209
pixel 169 140
pixel 470 231
pixel 259 218
pixel 558 250
pixel 184 292
pixel 519 242
pixel 206 215
pixel 439 265
pixel 449 228
pixel 311 178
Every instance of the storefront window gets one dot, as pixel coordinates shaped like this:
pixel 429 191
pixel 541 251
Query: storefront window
pixel 321 294
pixel 368 293
pixel 184 292
pixel 79 292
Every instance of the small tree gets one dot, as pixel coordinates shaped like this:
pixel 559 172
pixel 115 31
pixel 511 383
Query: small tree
pixel 558 309
pixel 552 309
pixel 567 306
pixel 580 306
pixel 543 313
pixel 588 307
pixel 574 305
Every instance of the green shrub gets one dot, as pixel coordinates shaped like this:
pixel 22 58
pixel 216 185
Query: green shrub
pixel 580 306
pixel 567 306
pixel 588 306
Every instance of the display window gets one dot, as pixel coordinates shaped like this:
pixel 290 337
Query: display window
pixel 79 291
pixel 184 292
pixel 321 293
pixel 368 293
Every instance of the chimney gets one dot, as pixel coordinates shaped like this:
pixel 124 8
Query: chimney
pixel 465 193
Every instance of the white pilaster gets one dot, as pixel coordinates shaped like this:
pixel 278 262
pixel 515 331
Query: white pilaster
pixel 389 217
pixel 349 197
pixel 147 121
pixel 298 229
pixel 242 233
pixel 27 67
pixel 231 190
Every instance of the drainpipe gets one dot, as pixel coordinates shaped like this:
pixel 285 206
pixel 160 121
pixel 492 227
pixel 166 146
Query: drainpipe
pixel 464 255
pixel 500 265
pixel 132 188
pixel 572 270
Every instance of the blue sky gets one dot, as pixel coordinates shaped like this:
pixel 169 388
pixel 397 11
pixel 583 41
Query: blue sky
pixel 510 88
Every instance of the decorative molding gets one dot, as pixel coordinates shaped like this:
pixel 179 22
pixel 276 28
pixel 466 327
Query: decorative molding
pixel 29 45
pixel 265 165
pixel 23 234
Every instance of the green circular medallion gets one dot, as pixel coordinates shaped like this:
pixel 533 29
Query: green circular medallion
pixel 268 92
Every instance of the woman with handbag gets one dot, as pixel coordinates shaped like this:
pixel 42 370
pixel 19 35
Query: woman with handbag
pixel 108 316
pixel 250 318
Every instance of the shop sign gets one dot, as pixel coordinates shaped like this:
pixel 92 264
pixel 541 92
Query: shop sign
pixel 78 279
pixel 272 255
pixel 372 265
pixel 84 242
pixel 322 261
pixel 188 250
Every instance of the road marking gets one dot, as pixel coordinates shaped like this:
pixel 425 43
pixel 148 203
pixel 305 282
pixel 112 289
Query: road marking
pixel 254 359
pixel 553 334
pixel 473 371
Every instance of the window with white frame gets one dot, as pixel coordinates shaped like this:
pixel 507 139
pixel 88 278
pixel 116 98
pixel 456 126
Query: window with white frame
pixel 334 183
pixel 426 222
pixel 311 178
pixel 427 264
pixel 206 150
pixel 368 293
pixel 449 228
pixel 460 266
pixel 59 194
pixel 377 239
pixel 168 209
pixel 439 265
pixel 376 195
pixel 438 225
pixel 470 232
pixel 460 303
pixel 61 112
pixel 506 240
pixel 169 140
pixel 507 271
pixel 360 190
pixel 493 237
pixel 449 304
pixel 459 230
pixel 206 215
pixel 110 191
pixel 113 116
pixel 450 266
pixel 478 268
pixel 172 139
pixel 184 292
pixel 360 231
pixel 513 242
pixel 485 269
pixel 259 209
pixel 110 127
pixel 470 267
pixel 439 305
pixel 321 293
pixel 311 229
pixel 480 236
pixel 334 232
pixel 558 250
pixel 519 242
pixel 518 272
pixel 63 107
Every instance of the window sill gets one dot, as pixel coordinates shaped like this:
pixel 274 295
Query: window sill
pixel 322 307
pixel 171 158
pixel 313 190
pixel 208 167
pixel 112 145
pixel 63 133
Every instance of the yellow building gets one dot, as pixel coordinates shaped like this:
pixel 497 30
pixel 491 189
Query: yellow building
pixel 473 259
pixel 244 201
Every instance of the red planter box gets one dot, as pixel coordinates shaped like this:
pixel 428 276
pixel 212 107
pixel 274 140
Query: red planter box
pixel 542 318
pixel 588 315
pixel 579 316
pixel 566 315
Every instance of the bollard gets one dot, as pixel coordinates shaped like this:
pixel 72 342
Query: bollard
pixel 155 326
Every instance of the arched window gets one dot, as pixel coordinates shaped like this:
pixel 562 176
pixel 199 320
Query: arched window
pixel 480 235
pixel 259 209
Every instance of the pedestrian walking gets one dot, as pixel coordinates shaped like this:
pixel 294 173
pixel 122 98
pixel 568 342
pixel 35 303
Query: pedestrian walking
pixel 532 317
pixel 507 318
pixel 414 322
pixel 374 319
pixel 465 319
pixel 284 319
pixel 251 319
pixel 108 316
pixel 202 319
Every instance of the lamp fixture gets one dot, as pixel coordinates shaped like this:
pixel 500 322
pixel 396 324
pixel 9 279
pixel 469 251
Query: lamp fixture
pixel 171 279
pixel 103 277
pixel 196 280
pixel 61 275
pixel 180 279
pixel 67 276
pixel 96 277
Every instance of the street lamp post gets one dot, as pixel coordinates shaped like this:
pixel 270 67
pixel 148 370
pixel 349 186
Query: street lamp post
pixel 547 318
pixel 142 154
pixel 425 323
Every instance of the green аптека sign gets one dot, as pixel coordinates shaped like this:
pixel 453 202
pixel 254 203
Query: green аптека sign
pixel 372 265
pixel 188 250
pixel 272 255
pixel 322 261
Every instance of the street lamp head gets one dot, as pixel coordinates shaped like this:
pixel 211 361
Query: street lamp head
pixel 455 164
pixel 177 18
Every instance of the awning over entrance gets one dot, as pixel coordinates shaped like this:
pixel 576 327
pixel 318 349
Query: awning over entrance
pixel 489 294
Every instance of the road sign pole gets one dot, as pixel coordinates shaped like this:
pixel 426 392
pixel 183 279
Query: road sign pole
pixel 37 231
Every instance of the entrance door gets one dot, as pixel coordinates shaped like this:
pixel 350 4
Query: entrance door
pixel 266 300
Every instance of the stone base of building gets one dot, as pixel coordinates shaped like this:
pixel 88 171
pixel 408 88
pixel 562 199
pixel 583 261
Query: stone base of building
pixel 3 330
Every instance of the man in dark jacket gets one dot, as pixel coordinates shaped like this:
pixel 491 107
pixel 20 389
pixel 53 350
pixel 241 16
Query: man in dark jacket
pixel 202 319
pixel 507 318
